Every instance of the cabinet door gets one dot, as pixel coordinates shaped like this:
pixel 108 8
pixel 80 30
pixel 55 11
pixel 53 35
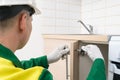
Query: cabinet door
pixel 58 69
pixel 85 62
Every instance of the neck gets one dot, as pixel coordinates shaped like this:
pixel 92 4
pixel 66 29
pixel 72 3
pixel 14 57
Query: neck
pixel 10 42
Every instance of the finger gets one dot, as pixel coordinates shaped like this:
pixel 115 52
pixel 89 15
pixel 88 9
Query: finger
pixel 84 48
pixel 65 51
pixel 91 46
pixel 63 47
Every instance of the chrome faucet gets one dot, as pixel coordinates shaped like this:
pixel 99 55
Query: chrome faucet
pixel 90 29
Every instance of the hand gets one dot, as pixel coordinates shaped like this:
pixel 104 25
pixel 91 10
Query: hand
pixel 92 51
pixel 57 53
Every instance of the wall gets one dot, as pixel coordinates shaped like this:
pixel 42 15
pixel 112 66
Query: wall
pixel 104 15
pixel 60 16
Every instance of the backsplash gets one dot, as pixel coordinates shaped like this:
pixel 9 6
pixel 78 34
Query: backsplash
pixel 61 16
pixel 104 15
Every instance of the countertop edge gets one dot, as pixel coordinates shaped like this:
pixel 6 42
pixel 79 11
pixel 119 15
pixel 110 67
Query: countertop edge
pixel 85 38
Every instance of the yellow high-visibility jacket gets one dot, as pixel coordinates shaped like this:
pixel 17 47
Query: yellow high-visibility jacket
pixel 12 69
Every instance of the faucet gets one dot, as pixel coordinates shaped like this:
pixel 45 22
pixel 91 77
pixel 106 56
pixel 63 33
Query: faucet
pixel 90 29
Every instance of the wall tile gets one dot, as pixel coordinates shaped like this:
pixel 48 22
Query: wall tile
pixel 75 29
pixel 112 30
pixel 61 30
pixel 98 4
pixel 113 11
pixel 62 6
pixel 85 8
pixel 114 20
pixel 62 16
pixel 104 15
pixel 112 2
pixel 48 13
pixel 47 30
pixel 59 16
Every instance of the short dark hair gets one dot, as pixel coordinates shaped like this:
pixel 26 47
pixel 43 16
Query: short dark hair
pixel 7 12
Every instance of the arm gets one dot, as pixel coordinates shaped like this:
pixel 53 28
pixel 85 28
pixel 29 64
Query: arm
pixel 40 61
pixel 97 71
pixel 44 61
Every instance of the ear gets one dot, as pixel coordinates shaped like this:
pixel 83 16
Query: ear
pixel 22 21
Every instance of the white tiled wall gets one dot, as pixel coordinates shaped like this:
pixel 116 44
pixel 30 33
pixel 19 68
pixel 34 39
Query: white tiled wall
pixel 104 15
pixel 61 16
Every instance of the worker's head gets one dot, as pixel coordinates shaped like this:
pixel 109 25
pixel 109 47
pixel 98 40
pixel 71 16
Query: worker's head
pixel 16 16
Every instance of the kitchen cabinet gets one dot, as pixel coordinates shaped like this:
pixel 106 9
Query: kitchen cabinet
pixel 78 65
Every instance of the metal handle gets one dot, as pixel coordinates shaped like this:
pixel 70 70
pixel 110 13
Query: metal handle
pixel 67 73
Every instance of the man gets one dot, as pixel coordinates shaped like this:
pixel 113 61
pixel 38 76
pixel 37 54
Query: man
pixel 15 29
pixel 97 71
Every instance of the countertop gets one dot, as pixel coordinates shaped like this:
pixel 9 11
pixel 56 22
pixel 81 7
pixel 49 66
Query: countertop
pixel 95 38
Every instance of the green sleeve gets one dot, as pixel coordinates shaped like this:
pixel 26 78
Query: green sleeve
pixel 46 75
pixel 97 71
pixel 40 61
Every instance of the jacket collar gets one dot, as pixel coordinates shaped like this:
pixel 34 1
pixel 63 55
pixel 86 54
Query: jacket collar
pixel 8 54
